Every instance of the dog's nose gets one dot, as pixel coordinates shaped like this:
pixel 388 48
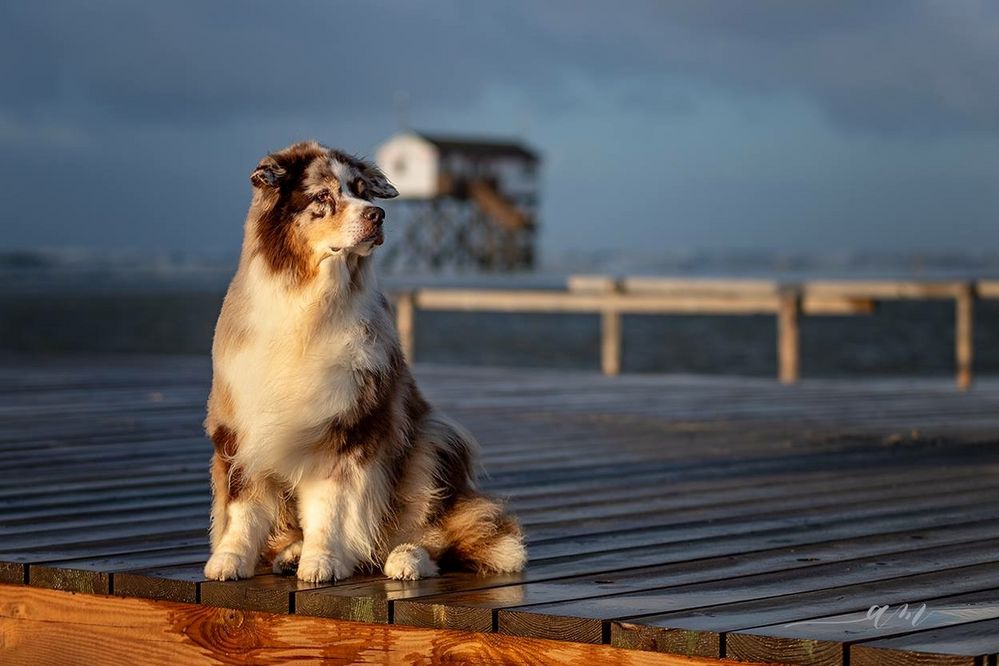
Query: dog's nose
pixel 374 214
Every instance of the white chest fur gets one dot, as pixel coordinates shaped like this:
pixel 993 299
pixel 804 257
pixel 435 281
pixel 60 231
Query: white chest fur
pixel 297 368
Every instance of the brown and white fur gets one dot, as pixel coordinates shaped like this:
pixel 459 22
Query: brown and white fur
pixel 325 451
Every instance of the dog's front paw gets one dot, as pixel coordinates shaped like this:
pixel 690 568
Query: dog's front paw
pixel 228 566
pixel 322 568
pixel 409 562
pixel 286 560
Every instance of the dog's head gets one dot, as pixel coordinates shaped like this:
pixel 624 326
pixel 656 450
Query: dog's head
pixel 311 203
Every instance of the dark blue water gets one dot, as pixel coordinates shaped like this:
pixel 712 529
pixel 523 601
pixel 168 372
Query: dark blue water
pixel 901 338
pixel 82 302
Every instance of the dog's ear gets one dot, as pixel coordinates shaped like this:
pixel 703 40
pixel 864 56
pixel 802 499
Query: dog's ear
pixel 268 173
pixel 377 183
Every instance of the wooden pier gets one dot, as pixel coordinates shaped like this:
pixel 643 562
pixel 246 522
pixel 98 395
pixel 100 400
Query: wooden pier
pixel 613 297
pixel 670 520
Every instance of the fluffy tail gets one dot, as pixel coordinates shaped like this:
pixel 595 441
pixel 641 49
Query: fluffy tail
pixel 481 536
pixel 464 529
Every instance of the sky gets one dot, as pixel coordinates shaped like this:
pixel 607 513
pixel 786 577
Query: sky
pixel 686 124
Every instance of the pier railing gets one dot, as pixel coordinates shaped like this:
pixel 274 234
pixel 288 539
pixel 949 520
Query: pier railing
pixel 613 297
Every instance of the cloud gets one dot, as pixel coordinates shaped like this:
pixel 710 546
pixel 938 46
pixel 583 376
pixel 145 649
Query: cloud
pixel 179 63
pixel 169 104
pixel 886 66
pixel 893 65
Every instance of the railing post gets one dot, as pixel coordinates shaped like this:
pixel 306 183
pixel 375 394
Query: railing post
pixel 610 334
pixel 789 335
pixel 405 311
pixel 964 335
pixel 610 342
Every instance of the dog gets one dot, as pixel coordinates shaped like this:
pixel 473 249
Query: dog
pixel 325 452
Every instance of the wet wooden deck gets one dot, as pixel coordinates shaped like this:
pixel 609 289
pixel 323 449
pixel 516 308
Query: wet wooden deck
pixel 711 517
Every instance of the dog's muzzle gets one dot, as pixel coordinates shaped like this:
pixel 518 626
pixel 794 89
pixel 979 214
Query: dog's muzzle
pixel 374 216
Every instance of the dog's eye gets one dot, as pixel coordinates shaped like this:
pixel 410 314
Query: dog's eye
pixel 324 198
pixel 360 188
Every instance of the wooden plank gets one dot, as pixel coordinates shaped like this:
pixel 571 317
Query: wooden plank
pixel 840 306
pixel 698 286
pixel 884 289
pixel 264 592
pixel 640 295
pixel 988 288
pixel 587 619
pixel 490 300
pixel 468 609
pixel 763 460
pixel 17 564
pixel 733 503
pixel 362 606
pixel 641 549
pixel 94 575
pixel 658 484
pixel 371 602
pixel 107 476
pixel 668 494
pixel 623 522
pixel 966 644
pixel 720 288
pixel 124 400
pixel 154 508
pixel 826 639
pixel 78 504
pixel 704 522
pixel 52 492
pixel 171 583
pixel 47 626
pixel 13 573
pixel 127 450
pixel 186 521
pixel 194 451
pixel 757 408
pixel 26 431
pixel 703 631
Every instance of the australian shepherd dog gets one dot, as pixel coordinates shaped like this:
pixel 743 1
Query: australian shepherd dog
pixel 326 455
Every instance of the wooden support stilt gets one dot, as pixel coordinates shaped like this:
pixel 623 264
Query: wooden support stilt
pixel 405 320
pixel 610 342
pixel 789 335
pixel 964 335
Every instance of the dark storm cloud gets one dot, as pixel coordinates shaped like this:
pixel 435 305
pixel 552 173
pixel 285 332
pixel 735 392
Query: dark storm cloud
pixel 888 65
pixel 208 62
pixel 136 123
pixel 884 65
